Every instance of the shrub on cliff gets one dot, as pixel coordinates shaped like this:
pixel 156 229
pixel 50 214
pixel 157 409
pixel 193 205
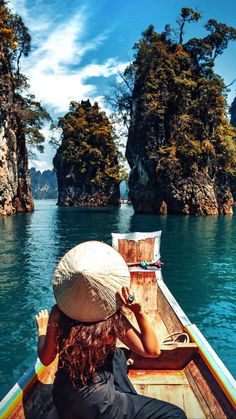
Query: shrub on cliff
pixel 87 158
pixel 180 142
pixel 15 100
pixel 177 103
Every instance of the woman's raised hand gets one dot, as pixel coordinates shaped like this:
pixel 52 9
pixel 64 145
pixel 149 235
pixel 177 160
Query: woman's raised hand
pixel 42 322
pixel 129 301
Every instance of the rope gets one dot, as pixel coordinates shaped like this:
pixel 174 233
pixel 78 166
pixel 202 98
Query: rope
pixel 181 337
pixel 147 265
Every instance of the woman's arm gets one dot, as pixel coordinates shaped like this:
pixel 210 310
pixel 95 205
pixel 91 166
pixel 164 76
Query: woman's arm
pixel 145 342
pixel 48 328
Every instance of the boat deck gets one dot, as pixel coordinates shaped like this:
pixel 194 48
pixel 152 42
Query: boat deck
pixel 168 385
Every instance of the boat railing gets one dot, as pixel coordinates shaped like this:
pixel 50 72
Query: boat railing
pixel 15 395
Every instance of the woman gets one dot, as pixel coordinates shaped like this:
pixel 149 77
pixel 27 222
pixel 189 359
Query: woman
pixel 92 381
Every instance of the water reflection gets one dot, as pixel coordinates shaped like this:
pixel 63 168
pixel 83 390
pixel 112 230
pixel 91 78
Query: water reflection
pixel 15 239
pixel 76 225
pixel 26 253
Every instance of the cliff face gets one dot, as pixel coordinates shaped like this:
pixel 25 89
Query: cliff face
pixel 15 192
pixel 168 190
pixel 75 189
pixel 181 147
pixel 20 115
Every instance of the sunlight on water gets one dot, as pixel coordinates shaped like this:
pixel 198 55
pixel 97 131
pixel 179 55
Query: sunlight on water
pixel 200 270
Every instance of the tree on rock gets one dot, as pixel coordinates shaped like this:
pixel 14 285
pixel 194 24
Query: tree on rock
pixel 180 147
pixel 21 116
pixel 86 162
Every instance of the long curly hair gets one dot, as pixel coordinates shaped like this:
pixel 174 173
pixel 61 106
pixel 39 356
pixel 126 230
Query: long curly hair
pixel 85 347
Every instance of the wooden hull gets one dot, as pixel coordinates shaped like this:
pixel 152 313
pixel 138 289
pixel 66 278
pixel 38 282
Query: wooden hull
pixel 189 375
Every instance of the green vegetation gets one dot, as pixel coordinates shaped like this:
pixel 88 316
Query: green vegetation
pixel 88 146
pixel 175 101
pixel 16 101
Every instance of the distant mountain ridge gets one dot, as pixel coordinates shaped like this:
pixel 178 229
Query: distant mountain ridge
pixel 43 184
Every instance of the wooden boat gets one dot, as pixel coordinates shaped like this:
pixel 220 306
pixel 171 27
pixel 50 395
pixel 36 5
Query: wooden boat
pixel 188 374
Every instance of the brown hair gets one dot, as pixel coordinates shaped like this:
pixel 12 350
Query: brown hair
pixel 85 347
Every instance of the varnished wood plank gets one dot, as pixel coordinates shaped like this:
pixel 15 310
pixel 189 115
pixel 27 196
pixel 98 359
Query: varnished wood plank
pixel 169 317
pixel 191 404
pixel 136 251
pixel 172 357
pixel 207 389
pixel 167 296
pixel 146 246
pixel 155 320
pixel 141 389
pixel 157 377
pixel 214 365
pixel 18 412
pixel 198 393
pixel 168 393
pixel 180 395
pixel 144 286
pixel 158 324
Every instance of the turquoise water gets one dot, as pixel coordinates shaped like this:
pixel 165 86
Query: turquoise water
pixel 200 270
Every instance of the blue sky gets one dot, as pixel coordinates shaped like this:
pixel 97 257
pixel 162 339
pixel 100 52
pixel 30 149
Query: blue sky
pixel 78 45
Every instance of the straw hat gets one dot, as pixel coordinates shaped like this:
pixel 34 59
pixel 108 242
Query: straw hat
pixel 86 280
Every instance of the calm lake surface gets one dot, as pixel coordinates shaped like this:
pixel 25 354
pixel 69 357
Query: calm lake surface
pixel 200 270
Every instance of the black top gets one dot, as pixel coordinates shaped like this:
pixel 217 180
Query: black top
pixel 97 400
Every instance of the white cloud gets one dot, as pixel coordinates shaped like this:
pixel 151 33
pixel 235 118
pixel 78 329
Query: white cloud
pixel 41 23
pixel 54 69
pixel 57 68
pixel 40 165
pixel 18 6
pixel 57 91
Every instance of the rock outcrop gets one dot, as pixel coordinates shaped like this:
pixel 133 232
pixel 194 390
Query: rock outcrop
pixel 168 190
pixel 181 147
pixel 75 189
pixel 15 191
pixel 86 163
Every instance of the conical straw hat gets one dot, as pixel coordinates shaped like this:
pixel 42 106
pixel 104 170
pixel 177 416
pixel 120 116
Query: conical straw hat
pixel 87 279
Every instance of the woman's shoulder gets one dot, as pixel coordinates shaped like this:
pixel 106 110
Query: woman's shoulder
pixel 54 317
pixel 55 312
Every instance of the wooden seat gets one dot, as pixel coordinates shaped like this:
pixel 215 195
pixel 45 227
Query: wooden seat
pixel 170 386
pixel 174 357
